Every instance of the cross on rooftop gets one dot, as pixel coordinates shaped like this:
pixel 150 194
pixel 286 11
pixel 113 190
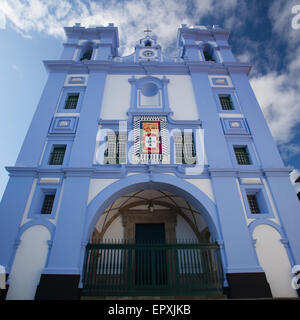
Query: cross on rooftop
pixel 147 30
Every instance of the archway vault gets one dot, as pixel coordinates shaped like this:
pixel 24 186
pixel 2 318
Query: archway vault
pixel 151 206
pixel 166 184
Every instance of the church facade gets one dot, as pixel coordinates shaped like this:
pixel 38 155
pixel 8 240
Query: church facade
pixel 148 174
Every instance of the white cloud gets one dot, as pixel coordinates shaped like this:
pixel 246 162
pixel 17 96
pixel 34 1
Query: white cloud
pixel 163 17
pixel 280 103
pixel 281 16
pixel 293 176
pixel 2 20
pixel 278 93
pixel 289 150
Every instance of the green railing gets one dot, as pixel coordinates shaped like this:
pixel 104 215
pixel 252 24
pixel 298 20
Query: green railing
pixel 118 269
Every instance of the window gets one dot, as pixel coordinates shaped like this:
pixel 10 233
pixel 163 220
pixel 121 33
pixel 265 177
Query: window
pixel 208 53
pixel 226 102
pixel 87 55
pixel 256 203
pixel 149 95
pixel 178 148
pixel 115 151
pixel 48 204
pixel 71 101
pixel 242 156
pixel 148 43
pixel 253 203
pixel 185 152
pixel 57 155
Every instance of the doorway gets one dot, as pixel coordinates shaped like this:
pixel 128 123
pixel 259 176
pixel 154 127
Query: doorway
pixel 150 262
pixel 150 232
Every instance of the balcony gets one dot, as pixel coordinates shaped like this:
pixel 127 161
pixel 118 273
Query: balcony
pixel 152 268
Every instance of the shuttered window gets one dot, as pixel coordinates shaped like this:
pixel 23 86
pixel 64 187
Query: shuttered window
pixel 185 151
pixel 115 150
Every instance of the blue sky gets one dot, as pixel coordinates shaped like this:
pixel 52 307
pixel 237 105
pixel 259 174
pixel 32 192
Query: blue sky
pixel 261 33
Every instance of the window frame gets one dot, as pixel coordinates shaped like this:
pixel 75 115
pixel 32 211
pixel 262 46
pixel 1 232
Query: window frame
pixel 253 202
pixel 51 154
pixel 67 91
pixel 243 142
pixel 62 139
pixel 120 139
pixel 233 97
pixel 183 147
pixel 41 190
pixel 69 95
pixel 222 96
pixel 262 199
pixel 44 203
pixel 246 149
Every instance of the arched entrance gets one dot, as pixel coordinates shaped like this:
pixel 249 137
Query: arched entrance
pixel 152 241
pixel 181 221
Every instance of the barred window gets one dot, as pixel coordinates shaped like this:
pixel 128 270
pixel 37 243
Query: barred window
pixel 253 203
pixel 226 102
pixel 57 155
pixel 48 204
pixel 242 156
pixel 71 101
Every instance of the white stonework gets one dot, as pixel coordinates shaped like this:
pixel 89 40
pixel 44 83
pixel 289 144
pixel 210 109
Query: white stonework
pixel 274 260
pixel 28 264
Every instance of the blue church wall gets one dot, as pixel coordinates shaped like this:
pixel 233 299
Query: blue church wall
pixel 84 143
pixel 35 139
pixel 262 137
pixel 68 51
pixel 226 91
pixel 217 156
pixel 66 248
pixel 12 208
pixel 55 141
pixel 246 142
pixel 239 250
pixel 226 54
pixel 75 222
pixel 69 90
pixel 262 199
pixel 41 189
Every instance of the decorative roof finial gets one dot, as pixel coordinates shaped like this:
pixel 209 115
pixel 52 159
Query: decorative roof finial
pixel 147 31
